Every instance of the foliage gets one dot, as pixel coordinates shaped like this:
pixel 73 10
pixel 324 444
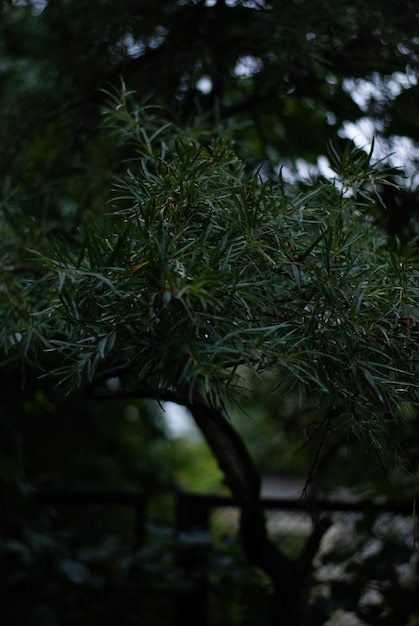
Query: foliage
pixel 151 246
pixel 368 568
pixel 63 576
pixel 202 270
pixel 288 77
pixel 56 577
pixel 206 276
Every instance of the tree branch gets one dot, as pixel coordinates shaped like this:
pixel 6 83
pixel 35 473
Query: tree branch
pixel 239 470
pixel 244 481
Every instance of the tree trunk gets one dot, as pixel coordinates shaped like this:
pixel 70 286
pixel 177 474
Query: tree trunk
pixel 242 477
pixel 244 481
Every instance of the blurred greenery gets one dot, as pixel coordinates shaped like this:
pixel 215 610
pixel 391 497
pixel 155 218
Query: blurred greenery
pixel 163 185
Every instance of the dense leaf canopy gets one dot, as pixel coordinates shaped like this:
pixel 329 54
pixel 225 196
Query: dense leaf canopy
pixel 288 75
pixel 203 272
pixel 199 270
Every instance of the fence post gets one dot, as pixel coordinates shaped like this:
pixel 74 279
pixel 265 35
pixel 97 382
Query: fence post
pixel 139 530
pixel 190 607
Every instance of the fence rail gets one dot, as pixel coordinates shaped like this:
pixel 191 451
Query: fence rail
pixel 193 512
pixel 138 499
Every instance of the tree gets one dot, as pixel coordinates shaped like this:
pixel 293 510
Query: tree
pixel 203 277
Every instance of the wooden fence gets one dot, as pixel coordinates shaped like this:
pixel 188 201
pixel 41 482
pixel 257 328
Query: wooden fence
pixel 193 512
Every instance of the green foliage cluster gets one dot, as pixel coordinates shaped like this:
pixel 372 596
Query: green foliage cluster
pixel 368 570
pixel 55 577
pixel 203 271
pixel 284 74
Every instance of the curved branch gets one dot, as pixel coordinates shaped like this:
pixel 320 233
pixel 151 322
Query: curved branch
pixel 244 481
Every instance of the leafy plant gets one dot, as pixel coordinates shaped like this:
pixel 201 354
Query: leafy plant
pixel 204 277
